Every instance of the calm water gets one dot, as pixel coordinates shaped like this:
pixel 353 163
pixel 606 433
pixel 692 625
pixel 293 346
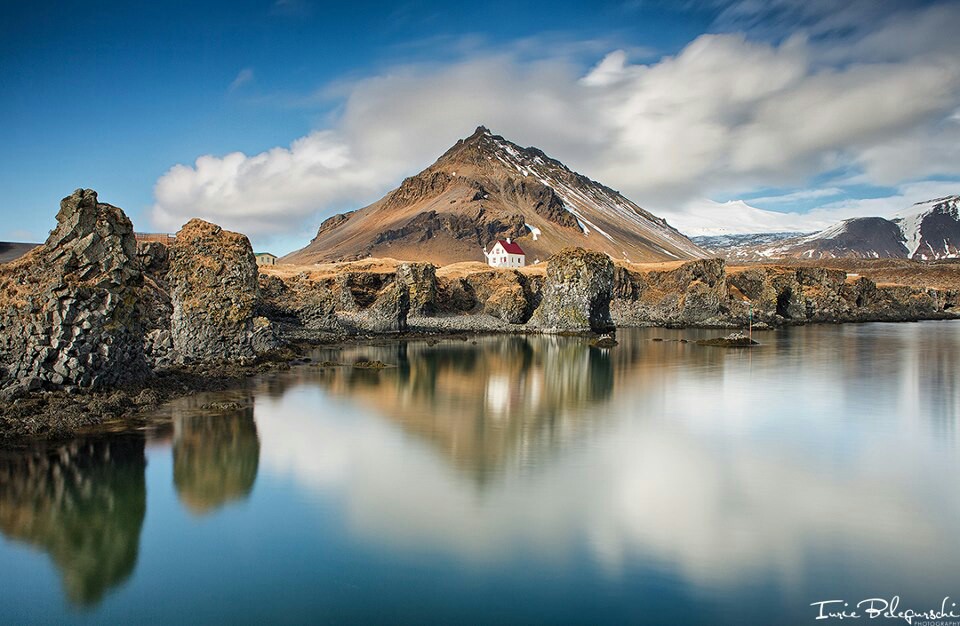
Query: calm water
pixel 515 480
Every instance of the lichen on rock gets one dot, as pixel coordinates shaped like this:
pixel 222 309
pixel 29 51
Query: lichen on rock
pixel 214 291
pixel 70 313
pixel 576 294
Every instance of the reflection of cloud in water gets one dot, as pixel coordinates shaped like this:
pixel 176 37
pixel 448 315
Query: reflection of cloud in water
pixel 83 503
pixel 681 476
pixel 485 406
pixel 215 458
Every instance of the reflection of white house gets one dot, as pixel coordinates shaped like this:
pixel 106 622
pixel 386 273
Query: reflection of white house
pixel 505 254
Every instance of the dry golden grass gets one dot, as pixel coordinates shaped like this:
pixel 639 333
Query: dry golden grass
pixel 322 271
pixel 326 270
pixel 654 266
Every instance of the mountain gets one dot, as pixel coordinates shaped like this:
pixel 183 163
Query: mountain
pixel 931 229
pixel 11 251
pixel 733 246
pixel 926 231
pixel 486 188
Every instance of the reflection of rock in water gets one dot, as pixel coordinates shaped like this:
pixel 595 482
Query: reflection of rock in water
pixel 83 503
pixel 215 458
pixel 506 401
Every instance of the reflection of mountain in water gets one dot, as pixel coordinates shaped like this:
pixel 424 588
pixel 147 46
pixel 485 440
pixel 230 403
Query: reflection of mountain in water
pixel 505 401
pixel 215 458
pixel 83 503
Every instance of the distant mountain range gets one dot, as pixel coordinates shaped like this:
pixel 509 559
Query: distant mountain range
pixel 486 188
pixel 928 230
pixel 10 251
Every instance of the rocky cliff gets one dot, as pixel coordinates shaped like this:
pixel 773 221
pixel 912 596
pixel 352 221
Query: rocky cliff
pixel 576 294
pixel 584 291
pixel 214 291
pixel 706 293
pixel 90 309
pixel 70 310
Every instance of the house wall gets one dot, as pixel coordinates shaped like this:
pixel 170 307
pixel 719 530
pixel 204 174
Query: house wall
pixel 498 257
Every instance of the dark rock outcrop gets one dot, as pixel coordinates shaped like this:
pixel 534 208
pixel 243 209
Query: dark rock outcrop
pixel 155 304
pixel 691 294
pixel 350 300
pixel 733 340
pixel 703 293
pixel 420 280
pixel 388 313
pixel 214 291
pixel 69 310
pixel 577 292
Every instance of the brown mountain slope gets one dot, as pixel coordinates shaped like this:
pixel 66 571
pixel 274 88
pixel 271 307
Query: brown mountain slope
pixel 485 188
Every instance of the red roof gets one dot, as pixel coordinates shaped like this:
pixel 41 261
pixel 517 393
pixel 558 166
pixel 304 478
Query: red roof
pixel 512 247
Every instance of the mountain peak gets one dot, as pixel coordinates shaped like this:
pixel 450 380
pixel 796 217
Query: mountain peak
pixel 484 188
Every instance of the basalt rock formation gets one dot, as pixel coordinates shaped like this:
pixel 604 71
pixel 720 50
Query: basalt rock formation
pixel 154 259
pixel 71 311
pixel 506 294
pixel 584 291
pixel 214 292
pixel 691 294
pixel 705 293
pixel 354 299
pixel 577 292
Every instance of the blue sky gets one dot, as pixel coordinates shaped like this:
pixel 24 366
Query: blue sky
pixel 299 109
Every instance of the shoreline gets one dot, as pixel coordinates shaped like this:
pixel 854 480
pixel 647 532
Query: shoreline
pixel 58 415
pixel 95 326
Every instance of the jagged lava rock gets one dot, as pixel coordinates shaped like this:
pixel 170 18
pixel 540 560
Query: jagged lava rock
pixel 214 291
pixel 420 280
pixel 576 294
pixel 69 311
pixel 691 294
pixel 155 302
pixel 388 313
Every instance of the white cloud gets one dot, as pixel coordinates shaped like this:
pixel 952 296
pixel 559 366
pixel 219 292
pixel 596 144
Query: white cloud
pixel 706 217
pixel 699 492
pixel 725 115
pixel 244 76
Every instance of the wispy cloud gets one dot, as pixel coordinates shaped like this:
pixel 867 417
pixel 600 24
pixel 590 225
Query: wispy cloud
pixel 798 196
pixel 244 76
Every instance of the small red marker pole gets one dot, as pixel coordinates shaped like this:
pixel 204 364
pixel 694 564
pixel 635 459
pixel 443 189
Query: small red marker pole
pixel 750 317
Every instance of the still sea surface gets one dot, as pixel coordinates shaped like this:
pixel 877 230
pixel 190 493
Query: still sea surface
pixel 514 480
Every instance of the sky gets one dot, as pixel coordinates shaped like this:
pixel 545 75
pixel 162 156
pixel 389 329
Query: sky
pixel 266 116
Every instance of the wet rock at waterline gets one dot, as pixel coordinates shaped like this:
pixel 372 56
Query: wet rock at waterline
pixel 576 294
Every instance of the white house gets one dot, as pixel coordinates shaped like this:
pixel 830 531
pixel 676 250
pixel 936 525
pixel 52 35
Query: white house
pixel 505 254
pixel 265 258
